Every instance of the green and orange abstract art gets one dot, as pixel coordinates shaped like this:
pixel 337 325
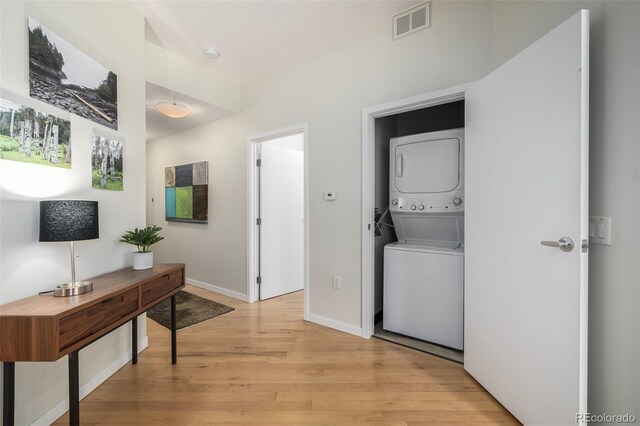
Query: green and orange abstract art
pixel 186 193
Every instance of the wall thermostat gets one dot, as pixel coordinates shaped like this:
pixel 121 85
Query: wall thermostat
pixel 330 195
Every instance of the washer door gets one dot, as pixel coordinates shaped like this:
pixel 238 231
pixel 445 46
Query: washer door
pixel 427 166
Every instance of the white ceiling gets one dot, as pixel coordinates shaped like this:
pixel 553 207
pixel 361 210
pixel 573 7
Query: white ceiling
pixel 159 125
pixel 255 37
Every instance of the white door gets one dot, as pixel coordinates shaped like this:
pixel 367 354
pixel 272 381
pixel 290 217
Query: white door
pixel 281 230
pixel 527 181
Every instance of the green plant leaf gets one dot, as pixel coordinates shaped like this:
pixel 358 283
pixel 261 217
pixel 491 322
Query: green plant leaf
pixel 143 238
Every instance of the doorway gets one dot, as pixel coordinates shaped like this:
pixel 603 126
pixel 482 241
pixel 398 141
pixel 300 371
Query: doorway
pixel 278 212
pixel 416 305
pixel 418 254
pixel 379 124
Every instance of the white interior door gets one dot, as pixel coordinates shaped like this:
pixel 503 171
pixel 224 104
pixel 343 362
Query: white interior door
pixel 281 216
pixel 527 181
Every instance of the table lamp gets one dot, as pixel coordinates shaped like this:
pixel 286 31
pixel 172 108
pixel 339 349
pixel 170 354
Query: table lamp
pixel 69 221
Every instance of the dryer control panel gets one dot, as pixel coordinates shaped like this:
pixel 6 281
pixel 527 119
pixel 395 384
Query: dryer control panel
pixel 431 203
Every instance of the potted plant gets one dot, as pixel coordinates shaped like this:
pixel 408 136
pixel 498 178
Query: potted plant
pixel 143 239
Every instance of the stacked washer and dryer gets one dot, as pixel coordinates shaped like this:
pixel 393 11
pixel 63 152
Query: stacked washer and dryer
pixel 424 269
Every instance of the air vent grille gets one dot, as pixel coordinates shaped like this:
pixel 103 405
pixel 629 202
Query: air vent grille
pixel 412 20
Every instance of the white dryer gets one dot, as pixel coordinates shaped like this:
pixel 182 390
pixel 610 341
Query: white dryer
pixel 423 271
pixel 426 180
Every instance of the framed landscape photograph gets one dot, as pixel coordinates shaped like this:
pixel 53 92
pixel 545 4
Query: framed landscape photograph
pixel 186 193
pixel 67 78
pixel 32 136
pixel 106 163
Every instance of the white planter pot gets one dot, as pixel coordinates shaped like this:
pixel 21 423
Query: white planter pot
pixel 142 260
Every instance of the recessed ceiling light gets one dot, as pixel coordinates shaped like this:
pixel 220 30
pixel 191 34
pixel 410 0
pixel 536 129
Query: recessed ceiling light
pixel 173 110
pixel 212 53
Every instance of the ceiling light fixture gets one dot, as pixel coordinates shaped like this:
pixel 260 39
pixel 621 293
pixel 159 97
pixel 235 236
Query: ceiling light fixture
pixel 212 53
pixel 173 110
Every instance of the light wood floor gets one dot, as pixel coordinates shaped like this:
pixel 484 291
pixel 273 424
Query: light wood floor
pixel 263 365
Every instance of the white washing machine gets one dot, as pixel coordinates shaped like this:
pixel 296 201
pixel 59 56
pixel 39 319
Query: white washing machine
pixel 423 271
pixel 424 292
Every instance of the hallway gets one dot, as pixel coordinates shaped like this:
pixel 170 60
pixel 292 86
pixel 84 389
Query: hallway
pixel 262 364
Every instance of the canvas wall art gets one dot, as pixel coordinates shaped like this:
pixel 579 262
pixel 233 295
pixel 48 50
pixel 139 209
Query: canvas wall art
pixel 32 136
pixel 65 77
pixel 186 192
pixel 106 163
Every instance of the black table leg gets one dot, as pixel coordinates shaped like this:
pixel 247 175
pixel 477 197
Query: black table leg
pixel 74 389
pixel 134 340
pixel 174 348
pixel 8 393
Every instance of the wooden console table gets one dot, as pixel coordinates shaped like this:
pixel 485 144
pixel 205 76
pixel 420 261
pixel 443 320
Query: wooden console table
pixel 46 328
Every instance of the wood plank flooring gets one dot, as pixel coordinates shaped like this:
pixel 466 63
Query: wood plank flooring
pixel 263 365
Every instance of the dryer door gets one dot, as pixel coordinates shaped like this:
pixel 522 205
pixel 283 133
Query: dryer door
pixel 427 166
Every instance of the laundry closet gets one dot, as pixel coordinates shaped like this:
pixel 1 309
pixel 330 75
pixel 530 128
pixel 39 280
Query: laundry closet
pixel 419 228
pixel 518 220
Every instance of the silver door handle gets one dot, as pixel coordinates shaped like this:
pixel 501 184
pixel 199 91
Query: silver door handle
pixel 564 244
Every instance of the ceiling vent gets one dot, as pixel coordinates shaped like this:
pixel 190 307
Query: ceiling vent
pixel 412 20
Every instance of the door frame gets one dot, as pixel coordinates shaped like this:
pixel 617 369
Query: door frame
pixel 252 208
pixel 451 94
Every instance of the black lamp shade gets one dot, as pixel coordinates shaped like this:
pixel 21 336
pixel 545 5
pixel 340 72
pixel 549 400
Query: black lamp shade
pixel 68 220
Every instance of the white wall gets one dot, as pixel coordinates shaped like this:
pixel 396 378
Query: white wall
pixel 214 253
pixel 329 89
pixel 113 34
pixel 614 355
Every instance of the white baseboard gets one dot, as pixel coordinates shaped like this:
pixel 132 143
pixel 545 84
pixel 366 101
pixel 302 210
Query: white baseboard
pixel 336 325
pixel 217 289
pixel 63 406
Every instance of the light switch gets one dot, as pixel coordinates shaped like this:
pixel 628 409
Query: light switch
pixel 600 230
pixel 330 195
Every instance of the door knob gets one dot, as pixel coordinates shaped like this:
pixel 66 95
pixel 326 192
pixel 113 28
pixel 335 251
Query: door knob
pixel 564 244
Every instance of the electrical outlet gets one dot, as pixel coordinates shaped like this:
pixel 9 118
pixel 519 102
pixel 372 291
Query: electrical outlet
pixel 337 282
